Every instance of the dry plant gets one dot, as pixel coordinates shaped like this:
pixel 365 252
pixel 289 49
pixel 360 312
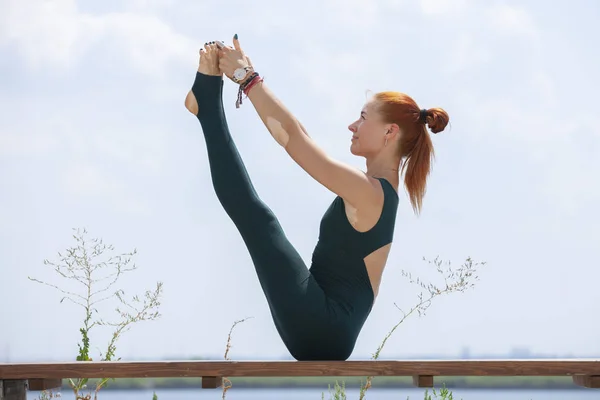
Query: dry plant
pixel 454 281
pixel 96 275
pixel 226 382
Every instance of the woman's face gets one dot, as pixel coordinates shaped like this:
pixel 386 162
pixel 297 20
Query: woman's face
pixel 368 132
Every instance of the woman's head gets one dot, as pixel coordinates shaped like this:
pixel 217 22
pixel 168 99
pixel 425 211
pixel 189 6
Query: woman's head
pixel 392 126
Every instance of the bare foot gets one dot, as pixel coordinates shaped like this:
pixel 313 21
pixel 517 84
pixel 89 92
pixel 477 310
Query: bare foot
pixel 208 65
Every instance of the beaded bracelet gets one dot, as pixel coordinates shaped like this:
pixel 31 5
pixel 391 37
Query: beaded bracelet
pixel 246 86
pixel 251 83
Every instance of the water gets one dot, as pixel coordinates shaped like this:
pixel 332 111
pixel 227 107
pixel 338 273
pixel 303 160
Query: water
pixel 315 394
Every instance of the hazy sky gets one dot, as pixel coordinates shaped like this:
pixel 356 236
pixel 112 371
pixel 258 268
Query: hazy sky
pixel 94 134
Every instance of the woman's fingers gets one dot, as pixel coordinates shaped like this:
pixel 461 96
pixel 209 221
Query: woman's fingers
pixel 236 43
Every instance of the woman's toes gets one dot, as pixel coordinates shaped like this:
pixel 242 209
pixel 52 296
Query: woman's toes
pixel 209 60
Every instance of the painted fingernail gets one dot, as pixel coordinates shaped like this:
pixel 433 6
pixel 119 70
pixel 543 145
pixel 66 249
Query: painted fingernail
pixel 235 36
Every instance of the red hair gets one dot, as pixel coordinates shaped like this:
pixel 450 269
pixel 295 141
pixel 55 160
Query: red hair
pixel 416 148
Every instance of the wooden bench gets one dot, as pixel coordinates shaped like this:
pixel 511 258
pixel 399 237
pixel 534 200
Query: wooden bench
pixel 17 378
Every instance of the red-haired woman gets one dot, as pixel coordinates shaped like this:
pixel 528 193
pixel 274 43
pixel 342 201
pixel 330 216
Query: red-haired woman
pixel 318 311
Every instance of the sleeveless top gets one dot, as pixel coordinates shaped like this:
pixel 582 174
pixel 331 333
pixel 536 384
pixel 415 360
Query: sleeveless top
pixel 338 259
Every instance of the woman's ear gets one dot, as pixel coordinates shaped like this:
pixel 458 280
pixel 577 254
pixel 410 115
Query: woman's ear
pixel 393 131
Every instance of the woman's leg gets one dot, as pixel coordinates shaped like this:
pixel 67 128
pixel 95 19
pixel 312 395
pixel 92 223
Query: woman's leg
pixel 284 277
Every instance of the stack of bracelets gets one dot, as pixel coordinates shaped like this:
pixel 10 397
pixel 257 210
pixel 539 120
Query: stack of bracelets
pixel 246 86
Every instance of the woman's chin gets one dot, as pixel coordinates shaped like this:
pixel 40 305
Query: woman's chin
pixel 354 150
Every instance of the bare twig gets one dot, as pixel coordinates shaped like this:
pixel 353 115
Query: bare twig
pixel 454 281
pixel 226 382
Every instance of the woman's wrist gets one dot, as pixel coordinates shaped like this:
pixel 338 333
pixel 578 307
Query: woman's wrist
pixel 247 79
pixel 245 86
pixel 253 81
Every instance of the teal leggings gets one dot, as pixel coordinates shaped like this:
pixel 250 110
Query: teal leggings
pixel 311 325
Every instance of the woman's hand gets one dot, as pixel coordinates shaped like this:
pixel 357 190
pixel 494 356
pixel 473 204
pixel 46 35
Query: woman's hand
pixel 232 59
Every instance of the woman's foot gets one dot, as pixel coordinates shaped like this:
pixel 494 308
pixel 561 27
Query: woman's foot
pixel 208 65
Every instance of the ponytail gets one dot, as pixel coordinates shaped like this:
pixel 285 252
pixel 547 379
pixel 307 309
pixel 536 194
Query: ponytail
pixel 415 144
pixel 416 169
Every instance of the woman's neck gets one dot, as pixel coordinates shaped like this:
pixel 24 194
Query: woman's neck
pixel 384 168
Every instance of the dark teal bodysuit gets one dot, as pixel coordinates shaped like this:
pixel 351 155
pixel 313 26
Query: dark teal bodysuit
pixel 318 311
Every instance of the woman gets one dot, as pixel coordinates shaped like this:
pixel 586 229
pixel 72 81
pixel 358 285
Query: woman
pixel 318 312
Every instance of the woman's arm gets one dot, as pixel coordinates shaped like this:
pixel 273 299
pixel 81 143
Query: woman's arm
pixel 351 184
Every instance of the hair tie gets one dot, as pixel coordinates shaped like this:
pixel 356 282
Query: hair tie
pixel 423 116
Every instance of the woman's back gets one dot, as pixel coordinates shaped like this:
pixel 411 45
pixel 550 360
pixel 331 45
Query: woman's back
pixel 348 262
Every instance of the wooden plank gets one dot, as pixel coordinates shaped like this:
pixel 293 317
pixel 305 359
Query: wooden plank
pixel 13 389
pixel 423 380
pixel 168 369
pixel 211 382
pixel 587 381
pixel 44 384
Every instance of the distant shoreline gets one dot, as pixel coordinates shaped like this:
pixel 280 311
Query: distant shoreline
pixel 322 383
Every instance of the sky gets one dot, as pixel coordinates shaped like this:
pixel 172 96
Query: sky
pixel 94 135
